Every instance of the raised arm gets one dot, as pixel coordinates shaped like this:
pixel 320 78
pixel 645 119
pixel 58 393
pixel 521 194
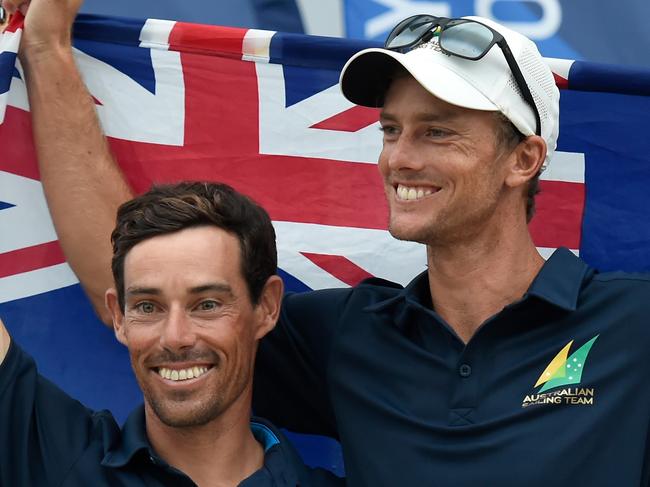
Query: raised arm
pixel 83 184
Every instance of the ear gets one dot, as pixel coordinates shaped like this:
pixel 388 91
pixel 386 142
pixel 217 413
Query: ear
pixel 268 306
pixel 526 161
pixel 117 314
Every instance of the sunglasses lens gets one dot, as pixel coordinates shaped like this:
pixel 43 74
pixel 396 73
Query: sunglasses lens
pixel 467 39
pixel 409 31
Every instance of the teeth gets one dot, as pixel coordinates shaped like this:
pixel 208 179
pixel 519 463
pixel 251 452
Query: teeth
pixel 412 193
pixel 182 374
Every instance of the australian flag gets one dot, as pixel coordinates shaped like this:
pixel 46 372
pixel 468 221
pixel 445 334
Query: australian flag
pixel 262 111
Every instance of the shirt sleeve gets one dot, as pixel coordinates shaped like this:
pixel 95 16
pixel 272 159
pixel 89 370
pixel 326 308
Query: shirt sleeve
pixel 42 430
pixel 291 373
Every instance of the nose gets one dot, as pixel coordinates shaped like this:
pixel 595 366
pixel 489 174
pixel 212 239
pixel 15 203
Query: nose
pixel 401 154
pixel 178 332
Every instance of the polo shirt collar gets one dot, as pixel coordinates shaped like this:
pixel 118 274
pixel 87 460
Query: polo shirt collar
pixel 560 280
pixel 558 283
pixel 282 465
pixel 134 440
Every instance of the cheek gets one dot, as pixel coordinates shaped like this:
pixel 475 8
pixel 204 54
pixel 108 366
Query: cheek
pixel 139 338
pixel 386 171
pixel 382 162
pixel 235 343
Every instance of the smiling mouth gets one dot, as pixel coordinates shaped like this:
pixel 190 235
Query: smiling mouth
pixel 413 193
pixel 183 374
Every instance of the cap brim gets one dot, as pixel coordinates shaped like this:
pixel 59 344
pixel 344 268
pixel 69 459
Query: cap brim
pixel 367 75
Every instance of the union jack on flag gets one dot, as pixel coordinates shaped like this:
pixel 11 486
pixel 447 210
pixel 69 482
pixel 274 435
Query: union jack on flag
pixel 262 111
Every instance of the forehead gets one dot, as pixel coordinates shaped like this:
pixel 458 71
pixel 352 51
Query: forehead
pixel 184 259
pixel 405 96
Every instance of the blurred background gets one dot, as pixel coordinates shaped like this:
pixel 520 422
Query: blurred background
pixel 592 30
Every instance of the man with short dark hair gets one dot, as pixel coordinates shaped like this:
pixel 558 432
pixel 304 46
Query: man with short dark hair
pixel 196 289
pixel 493 367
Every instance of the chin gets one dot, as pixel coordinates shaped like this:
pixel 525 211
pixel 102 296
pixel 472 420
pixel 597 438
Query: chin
pixel 186 414
pixel 410 230
pixel 183 421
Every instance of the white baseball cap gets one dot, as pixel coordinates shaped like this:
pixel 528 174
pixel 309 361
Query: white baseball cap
pixel 484 84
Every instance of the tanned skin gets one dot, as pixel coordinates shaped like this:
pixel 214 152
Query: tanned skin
pixel 472 216
pixel 75 162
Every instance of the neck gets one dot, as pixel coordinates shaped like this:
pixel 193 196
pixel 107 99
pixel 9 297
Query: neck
pixel 472 281
pixel 220 453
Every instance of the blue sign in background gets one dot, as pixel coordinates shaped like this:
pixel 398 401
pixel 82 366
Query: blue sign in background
pixel 364 14
pixel 280 15
pixel 594 30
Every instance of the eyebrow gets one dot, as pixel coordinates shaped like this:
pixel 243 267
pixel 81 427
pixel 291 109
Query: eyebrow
pixel 424 116
pixel 217 287
pixel 135 291
pixel 152 291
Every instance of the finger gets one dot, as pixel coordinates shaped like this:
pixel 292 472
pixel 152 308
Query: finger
pixel 23 7
pixel 9 7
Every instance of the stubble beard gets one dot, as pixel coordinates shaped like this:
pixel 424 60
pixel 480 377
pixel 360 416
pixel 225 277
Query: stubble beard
pixel 436 230
pixel 181 414
pixel 446 228
pixel 187 409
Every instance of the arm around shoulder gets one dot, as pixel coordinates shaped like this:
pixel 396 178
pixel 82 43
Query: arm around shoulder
pixel 291 371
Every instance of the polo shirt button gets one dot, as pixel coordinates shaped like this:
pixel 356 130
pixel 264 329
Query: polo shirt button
pixel 465 370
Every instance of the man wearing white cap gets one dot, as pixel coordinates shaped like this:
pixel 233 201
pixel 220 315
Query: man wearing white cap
pixel 466 135
pixel 492 367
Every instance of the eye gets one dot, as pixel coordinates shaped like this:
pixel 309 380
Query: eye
pixel 145 307
pixel 388 129
pixel 207 305
pixel 436 133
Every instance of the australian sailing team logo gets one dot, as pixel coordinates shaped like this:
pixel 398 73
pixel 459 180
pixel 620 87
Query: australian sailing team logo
pixel 564 370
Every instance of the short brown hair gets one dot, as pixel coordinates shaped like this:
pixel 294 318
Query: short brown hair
pixel 170 208
pixel 507 138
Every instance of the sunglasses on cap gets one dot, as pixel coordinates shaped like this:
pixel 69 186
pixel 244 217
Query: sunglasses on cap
pixel 463 38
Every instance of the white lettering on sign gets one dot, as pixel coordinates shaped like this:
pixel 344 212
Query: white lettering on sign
pixel 543 28
pixel 399 10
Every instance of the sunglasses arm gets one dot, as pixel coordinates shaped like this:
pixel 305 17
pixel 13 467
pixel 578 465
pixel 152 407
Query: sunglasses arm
pixel 521 81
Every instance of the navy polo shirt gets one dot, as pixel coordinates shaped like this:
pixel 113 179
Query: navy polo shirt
pixel 49 439
pixel 552 390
